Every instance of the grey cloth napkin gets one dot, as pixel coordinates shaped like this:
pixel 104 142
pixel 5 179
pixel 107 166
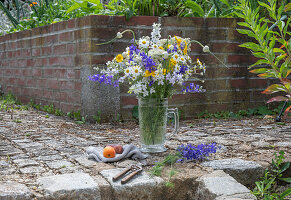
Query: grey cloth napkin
pixel 129 151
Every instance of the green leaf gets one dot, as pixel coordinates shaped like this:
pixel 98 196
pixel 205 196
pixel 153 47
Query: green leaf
pixel 259 54
pixel 264 5
pixel 260 70
pixel 286 193
pixel 259 62
pixel 195 8
pixel 225 2
pixel 248 32
pixel 251 45
pixel 285 166
pixel 73 7
pixel 274 88
pixel 288 180
pixel 278 50
pixel 243 24
pixel 272 43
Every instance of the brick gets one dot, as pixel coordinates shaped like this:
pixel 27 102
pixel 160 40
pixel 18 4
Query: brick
pixel 82 34
pixel 66 37
pixel 35 52
pixel 46 51
pixel 53 84
pixel 101 59
pixel 42 83
pixel 60 96
pixel 59 26
pixel 51 39
pixel 129 100
pixel 48 73
pixel 31 82
pixel 74 97
pixel 36 72
pixel 60 49
pixel 27 72
pixel 97 20
pixel 71 23
pixel 99 32
pixel 136 20
pixel 61 61
pixel 221 22
pixel 258 83
pixel 39 41
pixel 67 85
pixel 59 73
pixel 85 47
pixel 67 107
pixel 230 96
pixel 182 21
pixel 71 48
pixel 241 59
pixel 78 86
pixel 228 48
pixel 239 83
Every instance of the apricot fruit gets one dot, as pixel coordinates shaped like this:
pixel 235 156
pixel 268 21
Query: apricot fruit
pixel 117 147
pixel 109 152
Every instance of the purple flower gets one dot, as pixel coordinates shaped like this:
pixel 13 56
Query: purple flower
pixel 192 88
pixel 199 152
pixel 108 80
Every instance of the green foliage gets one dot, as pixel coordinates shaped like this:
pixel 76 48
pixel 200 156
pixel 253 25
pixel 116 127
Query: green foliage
pixel 272 46
pixel 259 111
pixel 40 13
pixel 267 188
pixel 182 8
pixel 169 160
pixel 97 117
pixel 76 115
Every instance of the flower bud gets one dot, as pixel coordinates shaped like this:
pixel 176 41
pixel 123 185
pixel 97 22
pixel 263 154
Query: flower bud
pixel 206 49
pixel 119 35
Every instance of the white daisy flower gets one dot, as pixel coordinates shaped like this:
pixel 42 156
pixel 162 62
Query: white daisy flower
pixel 143 43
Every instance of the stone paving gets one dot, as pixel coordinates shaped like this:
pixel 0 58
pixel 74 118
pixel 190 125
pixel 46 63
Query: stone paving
pixel 35 145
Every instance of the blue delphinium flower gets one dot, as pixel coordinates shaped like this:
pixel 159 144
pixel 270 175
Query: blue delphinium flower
pixel 108 80
pixel 199 152
pixel 192 88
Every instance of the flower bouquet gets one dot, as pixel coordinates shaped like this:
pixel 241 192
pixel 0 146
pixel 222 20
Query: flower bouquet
pixel 153 67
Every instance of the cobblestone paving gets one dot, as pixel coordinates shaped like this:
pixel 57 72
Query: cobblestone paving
pixel 34 144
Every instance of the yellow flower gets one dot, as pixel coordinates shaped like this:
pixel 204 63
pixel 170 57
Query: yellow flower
pixel 164 71
pixel 178 41
pixel 30 5
pixel 162 48
pixel 119 58
pixel 148 73
pixel 34 3
pixel 185 50
pixel 198 62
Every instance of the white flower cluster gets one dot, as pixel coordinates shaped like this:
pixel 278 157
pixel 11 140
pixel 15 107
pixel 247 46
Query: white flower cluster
pixel 153 66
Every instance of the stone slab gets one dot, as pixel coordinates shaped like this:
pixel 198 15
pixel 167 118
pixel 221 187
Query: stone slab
pixel 58 164
pixel 32 169
pixel 141 187
pixel 71 186
pixel 14 191
pixel 245 172
pixel 219 185
pixel 25 162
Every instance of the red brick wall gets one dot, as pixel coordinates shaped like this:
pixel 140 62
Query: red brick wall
pixel 44 64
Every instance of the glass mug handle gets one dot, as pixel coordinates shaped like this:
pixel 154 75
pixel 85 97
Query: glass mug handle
pixel 174 111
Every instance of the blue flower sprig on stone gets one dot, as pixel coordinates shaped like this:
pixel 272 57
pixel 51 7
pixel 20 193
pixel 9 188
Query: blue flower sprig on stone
pixel 191 152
